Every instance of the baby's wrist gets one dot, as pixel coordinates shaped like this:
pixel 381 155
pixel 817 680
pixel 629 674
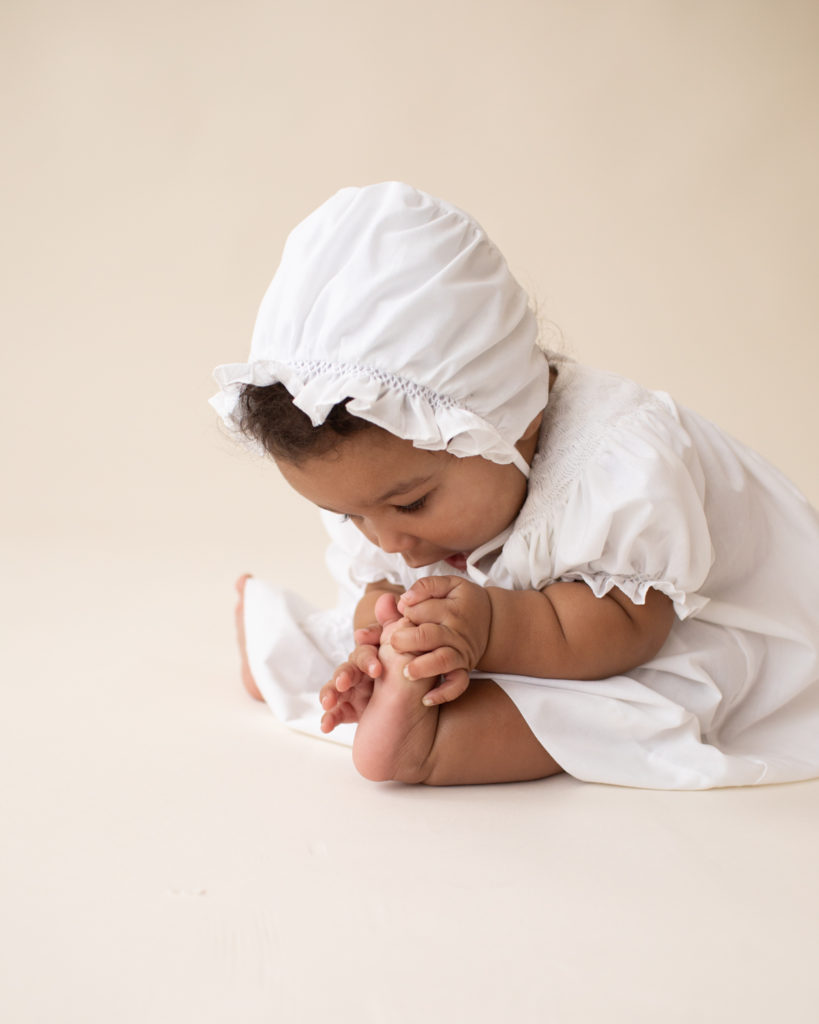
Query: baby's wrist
pixel 487 632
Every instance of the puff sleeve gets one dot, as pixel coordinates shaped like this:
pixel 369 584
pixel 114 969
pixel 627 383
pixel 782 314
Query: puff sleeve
pixel 632 517
pixel 636 517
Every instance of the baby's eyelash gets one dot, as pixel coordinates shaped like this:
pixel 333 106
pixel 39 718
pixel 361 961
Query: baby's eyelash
pixel 414 506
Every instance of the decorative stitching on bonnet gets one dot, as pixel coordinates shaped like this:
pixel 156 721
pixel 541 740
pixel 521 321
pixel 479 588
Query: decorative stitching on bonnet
pixel 316 367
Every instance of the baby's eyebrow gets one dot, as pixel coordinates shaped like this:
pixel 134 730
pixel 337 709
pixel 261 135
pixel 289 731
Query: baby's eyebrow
pixel 402 488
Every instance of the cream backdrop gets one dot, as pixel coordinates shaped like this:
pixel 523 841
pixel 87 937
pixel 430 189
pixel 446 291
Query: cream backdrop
pixel 650 170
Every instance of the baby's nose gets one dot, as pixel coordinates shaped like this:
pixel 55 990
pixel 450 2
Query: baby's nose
pixel 393 541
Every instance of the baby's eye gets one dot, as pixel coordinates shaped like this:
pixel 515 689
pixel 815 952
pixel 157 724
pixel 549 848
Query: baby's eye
pixel 414 506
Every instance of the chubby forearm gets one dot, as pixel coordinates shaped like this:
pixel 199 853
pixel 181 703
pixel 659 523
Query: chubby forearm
pixel 565 632
pixel 364 615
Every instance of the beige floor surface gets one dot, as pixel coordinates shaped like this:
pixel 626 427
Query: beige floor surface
pixel 171 853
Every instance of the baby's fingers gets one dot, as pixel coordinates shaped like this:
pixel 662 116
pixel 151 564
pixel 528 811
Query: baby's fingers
pixel 433 610
pixel 428 636
pixel 452 685
pixel 429 587
pixel 440 662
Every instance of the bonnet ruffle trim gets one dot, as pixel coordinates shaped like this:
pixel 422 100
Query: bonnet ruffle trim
pixel 403 407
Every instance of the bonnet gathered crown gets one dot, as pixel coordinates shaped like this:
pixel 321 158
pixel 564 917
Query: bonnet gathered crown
pixel 400 303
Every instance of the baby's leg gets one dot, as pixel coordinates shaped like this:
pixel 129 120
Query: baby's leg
pixel 247 676
pixel 480 737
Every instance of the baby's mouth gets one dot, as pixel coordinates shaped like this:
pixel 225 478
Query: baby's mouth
pixel 457 561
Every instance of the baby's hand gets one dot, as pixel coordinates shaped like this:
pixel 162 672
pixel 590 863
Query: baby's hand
pixel 451 618
pixel 350 689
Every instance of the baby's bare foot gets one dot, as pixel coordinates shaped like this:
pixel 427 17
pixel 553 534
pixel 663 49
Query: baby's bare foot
pixel 344 697
pixel 396 731
pixel 247 676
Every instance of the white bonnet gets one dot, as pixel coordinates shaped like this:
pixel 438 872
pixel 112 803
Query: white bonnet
pixel 399 302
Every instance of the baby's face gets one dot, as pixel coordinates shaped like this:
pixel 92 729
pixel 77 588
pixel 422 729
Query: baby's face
pixel 425 506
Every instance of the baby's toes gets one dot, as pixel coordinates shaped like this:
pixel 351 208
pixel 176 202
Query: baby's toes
pixel 329 720
pixel 339 711
pixel 386 610
pixel 402 627
pixel 239 618
pixel 345 711
pixel 328 696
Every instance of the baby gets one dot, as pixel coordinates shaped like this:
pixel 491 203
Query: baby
pixel 547 568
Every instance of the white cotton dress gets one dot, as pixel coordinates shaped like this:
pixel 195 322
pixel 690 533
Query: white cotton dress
pixel 626 490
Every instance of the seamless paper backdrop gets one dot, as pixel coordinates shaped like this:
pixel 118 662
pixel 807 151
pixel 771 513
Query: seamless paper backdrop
pixel 649 170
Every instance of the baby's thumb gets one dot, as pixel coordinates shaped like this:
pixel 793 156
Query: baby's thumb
pixel 425 589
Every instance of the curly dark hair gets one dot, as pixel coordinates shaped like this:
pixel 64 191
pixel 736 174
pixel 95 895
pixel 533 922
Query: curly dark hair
pixel 267 415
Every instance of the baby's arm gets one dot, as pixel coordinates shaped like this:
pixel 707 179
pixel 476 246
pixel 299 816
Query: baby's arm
pixel 565 632
pixel 562 632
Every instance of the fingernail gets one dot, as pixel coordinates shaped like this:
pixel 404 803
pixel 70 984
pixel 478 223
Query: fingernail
pixel 326 702
pixel 406 672
pixel 428 702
